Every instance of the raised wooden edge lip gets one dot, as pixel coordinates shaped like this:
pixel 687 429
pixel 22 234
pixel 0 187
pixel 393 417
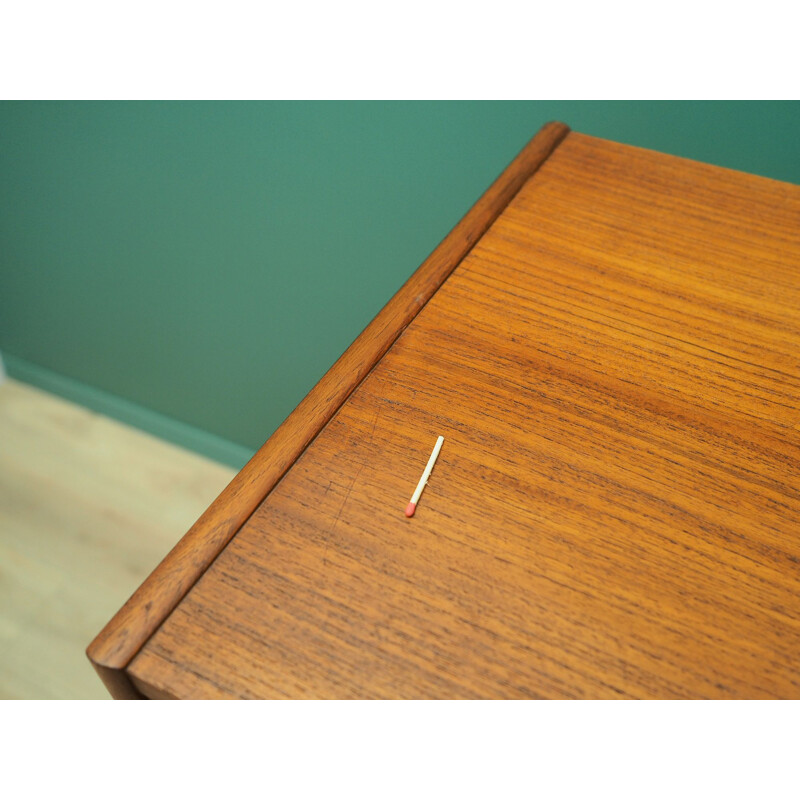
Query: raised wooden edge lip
pixel 125 634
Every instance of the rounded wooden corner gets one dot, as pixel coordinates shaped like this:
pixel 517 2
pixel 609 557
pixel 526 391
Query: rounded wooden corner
pixel 116 680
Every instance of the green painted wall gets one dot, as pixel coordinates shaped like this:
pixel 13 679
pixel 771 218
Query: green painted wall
pixel 194 268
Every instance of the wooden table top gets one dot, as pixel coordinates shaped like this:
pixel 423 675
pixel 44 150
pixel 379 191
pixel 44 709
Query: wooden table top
pixel 615 513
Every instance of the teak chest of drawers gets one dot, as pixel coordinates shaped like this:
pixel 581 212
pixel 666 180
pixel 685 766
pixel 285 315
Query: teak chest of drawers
pixel 609 342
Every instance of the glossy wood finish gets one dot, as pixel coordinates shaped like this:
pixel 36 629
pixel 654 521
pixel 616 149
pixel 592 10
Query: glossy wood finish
pixel 615 513
pixel 124 635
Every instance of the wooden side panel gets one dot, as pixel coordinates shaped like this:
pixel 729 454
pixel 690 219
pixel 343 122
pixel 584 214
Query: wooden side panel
pixel 155 599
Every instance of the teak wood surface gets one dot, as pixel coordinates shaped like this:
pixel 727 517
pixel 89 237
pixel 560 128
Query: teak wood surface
pixel 615 512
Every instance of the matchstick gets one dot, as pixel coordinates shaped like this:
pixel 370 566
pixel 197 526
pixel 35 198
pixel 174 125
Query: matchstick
pixel 412 506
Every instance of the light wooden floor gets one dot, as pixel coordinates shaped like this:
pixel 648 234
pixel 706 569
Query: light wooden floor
pixel 88 507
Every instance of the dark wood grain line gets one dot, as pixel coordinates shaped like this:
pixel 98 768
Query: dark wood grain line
pixel 644 339
pixel 120 640
pixel 594 300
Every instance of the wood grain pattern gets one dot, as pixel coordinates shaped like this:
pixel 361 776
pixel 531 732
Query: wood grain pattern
pixel 615 513
pixel 124 635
